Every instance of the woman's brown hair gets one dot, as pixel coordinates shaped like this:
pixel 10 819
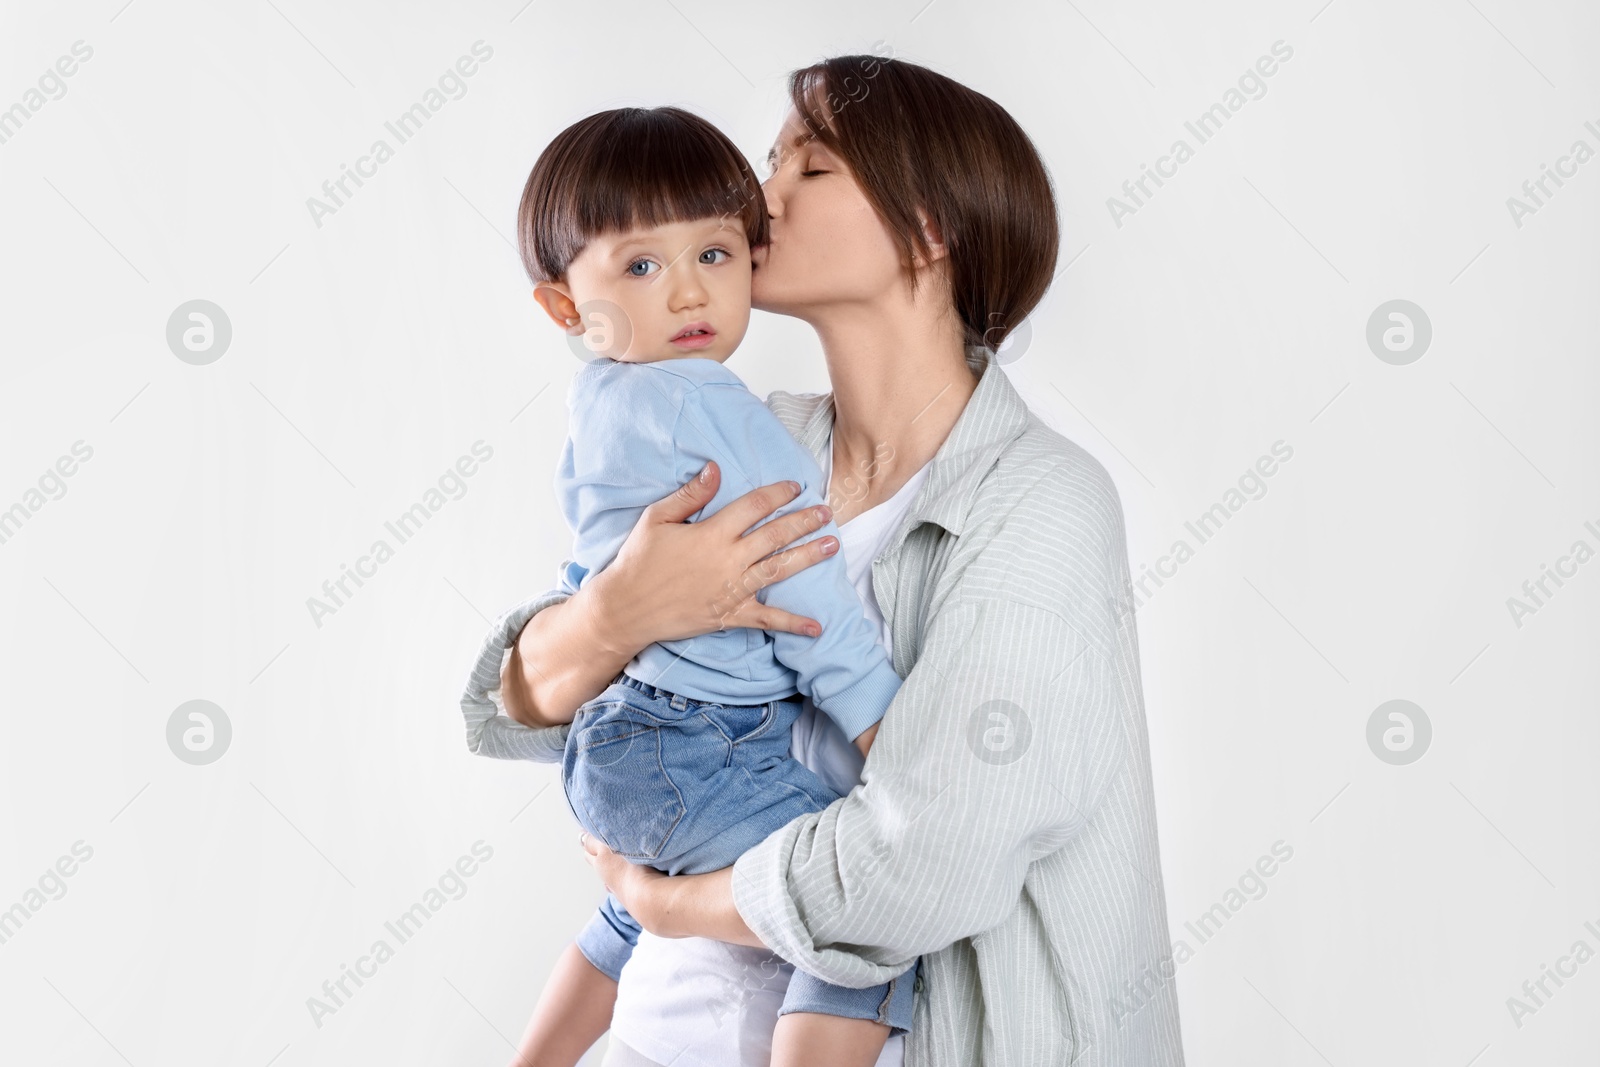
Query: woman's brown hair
pixel 915 138
pixel 631 168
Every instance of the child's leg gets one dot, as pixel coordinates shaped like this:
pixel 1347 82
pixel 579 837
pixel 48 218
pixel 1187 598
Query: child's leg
pixel 610 936
pixel 821 1023
pixel 805 1039
pixel 572 1013
pixel 575 1007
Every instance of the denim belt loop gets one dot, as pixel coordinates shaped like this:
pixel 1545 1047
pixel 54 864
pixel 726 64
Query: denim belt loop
pixel 679 702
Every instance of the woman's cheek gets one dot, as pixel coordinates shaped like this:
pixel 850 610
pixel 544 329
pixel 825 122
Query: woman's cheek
pixel 864 240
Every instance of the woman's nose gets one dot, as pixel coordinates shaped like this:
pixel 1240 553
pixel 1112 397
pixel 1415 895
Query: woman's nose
pixel 771 193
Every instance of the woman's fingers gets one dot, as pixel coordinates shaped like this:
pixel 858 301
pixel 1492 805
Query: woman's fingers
pixel 776 619
pixel 776 535
pixel 737 517
pixel 747 610
pixel 778 566
pixel 688 498
pixel 782 532
pixel 669 566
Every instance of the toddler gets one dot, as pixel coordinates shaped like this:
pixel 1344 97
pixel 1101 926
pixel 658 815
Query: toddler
pixel 637 227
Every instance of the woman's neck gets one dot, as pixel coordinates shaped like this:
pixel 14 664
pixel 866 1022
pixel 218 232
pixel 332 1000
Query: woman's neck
pixel 900 381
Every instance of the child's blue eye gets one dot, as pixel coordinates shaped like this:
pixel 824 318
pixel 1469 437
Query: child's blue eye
pixel 641 263
pixel 715 251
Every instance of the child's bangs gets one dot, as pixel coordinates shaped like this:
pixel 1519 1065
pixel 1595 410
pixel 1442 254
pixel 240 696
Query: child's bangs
pixel 629 169
pixel 674 180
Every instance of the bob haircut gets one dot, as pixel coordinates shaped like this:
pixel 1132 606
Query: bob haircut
pixel 917 139
pixel 626 169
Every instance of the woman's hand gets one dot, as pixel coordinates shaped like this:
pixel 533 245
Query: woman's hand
pixel 688 905
pixel 673 579
pixel 637 886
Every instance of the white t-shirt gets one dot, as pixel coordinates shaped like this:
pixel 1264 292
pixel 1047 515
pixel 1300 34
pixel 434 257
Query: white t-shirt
pixel 694 1002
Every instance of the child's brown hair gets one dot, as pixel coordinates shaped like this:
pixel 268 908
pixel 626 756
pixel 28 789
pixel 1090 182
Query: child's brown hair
pixel 626 169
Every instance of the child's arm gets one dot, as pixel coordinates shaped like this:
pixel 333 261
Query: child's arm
pixel 864 742
pixel 803 1038
pixel 844 670
pixel 572 1013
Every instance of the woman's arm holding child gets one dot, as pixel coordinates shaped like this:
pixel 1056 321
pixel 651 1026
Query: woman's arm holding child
pixel 652 591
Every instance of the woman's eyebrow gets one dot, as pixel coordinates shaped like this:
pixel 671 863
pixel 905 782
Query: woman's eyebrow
pixel 797 141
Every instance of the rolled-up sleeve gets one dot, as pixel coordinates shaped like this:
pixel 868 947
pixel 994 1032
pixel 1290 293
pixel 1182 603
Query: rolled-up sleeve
pixel 490 732
pixel 996 751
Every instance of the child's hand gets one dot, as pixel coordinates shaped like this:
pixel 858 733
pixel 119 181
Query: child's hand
pixel 864 742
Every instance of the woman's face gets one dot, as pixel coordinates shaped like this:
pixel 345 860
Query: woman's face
pixel 829 247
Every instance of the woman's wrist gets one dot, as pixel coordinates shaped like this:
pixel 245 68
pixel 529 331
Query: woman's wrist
pixel 516 688
pixel 682 905
pixel 566 654
pixel 613 632
pixel 698 905
pixel 665 900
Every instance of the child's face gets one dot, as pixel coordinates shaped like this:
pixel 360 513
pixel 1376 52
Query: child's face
pixel 662 280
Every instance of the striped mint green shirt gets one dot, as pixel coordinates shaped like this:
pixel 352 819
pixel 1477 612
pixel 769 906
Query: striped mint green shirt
pixel 1004 829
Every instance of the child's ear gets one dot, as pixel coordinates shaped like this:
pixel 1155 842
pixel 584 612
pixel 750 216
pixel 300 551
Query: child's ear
pixel 557 303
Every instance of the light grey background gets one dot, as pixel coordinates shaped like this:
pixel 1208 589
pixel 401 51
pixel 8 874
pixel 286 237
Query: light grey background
pixel 370 352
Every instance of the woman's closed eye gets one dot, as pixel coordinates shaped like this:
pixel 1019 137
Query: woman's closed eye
pixel 773 165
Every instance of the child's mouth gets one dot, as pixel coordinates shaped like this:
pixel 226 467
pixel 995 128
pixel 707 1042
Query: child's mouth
pixel 695 335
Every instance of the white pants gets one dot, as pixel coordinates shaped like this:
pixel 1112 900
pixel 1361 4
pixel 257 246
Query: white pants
pixel 620 1055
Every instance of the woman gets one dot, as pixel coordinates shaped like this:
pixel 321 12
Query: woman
pixel 1004 825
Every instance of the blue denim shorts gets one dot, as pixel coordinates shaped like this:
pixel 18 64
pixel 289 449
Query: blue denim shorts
pixel 688 786
pixel 684 785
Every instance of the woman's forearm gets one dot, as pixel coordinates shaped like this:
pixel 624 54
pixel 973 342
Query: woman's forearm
pixel 701 905
pixel 566 654
pixel 672 579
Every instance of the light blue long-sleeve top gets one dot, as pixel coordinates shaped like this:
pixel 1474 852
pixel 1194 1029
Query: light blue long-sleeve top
pixel 636 432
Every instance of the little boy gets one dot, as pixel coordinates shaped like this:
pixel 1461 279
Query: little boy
pixel 644 220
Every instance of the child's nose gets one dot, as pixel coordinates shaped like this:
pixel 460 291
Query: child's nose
pixel 688 289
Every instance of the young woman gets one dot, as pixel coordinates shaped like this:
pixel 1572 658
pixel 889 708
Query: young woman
pixel 1003 828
